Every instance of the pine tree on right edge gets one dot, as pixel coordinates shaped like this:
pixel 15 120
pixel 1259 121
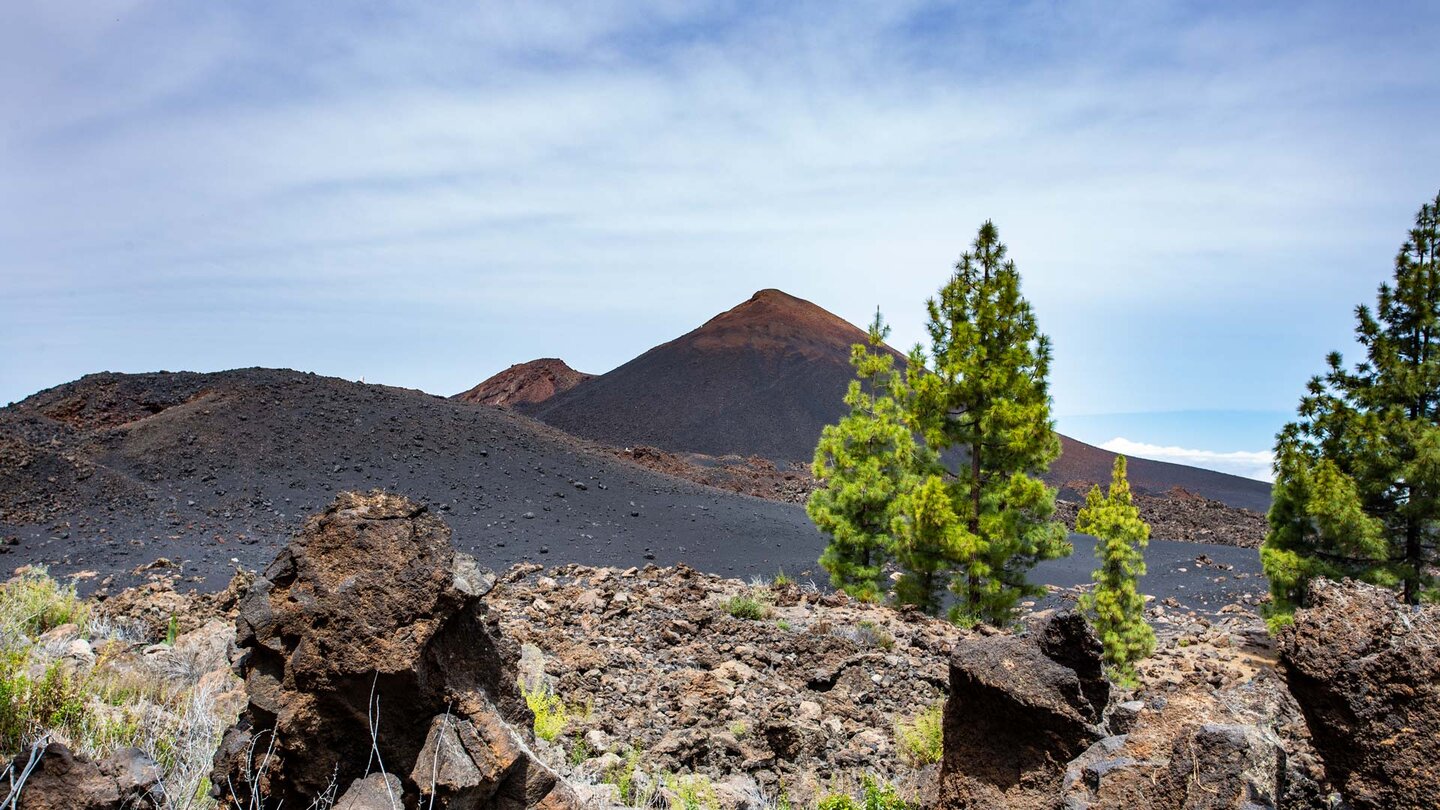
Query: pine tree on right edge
pixel 1116 607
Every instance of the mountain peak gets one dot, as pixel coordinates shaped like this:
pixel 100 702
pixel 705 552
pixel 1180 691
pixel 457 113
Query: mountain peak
pixel 525 384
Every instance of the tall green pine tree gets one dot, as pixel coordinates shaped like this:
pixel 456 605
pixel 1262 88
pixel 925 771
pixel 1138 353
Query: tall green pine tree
pixel 1357 485
pixel 983 390
pixel 1116 607
pixel 863 464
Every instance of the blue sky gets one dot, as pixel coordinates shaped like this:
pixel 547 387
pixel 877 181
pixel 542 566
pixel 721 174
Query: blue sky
pixel 421 194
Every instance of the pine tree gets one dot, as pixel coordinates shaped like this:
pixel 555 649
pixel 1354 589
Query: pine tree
pixel 983 391
pixel 1115 606
pixel 1357 486
pixel 863 464
pixel 928 541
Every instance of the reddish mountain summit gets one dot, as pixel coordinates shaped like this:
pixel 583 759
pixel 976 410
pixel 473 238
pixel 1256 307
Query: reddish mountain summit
pixel 760 379
pixel 765 377
pixel 525 384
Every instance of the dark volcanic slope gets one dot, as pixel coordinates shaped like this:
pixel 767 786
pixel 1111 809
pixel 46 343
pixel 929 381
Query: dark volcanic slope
pixel 1081 465
pixel 760 379
pixel 113 471
pixel 766 376
pixel 525 384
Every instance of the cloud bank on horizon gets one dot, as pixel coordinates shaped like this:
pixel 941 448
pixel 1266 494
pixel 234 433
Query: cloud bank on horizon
pixel 424 194
pixel 1256 465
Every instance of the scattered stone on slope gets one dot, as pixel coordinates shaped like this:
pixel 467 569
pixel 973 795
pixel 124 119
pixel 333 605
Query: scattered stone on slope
pixel 798 702
pixel 62 780
pixel 369 623
pixel 1366 671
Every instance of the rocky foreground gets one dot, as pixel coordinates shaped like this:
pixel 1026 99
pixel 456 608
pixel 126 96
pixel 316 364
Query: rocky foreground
pixel 379 668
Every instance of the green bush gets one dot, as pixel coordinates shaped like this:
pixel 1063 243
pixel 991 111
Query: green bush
pixel 782 580
pixel 875 795
pixel 746 607
pixel 32 603
pixel 921 739
pixel 694 792
pixel 551 713
pixel 633 790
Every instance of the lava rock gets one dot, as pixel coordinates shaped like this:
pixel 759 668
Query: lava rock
pixel 1018 710
pixel 369 625
pixel 1364 669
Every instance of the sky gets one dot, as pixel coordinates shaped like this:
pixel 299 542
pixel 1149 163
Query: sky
pixel 421 194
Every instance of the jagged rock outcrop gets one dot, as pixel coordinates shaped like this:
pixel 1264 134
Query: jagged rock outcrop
pixel 61 780
pixel 1020 708
pixel 369 627
pixel 1366 671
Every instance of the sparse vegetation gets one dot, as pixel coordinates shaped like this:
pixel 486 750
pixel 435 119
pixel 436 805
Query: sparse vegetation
pixel 552 715
pixel 783 625
pixel 101 706
pixel 874 635
pixel 738 729
pixel 921 739
pixel 634 789
pixel 691 792
pixel 744 606
pixel 782 580
pixel 874 795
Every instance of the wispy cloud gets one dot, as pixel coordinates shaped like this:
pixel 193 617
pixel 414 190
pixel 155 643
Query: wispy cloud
pixel 426 193
pixel 1255 465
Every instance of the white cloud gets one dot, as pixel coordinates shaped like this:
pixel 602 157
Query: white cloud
pixel 1244 463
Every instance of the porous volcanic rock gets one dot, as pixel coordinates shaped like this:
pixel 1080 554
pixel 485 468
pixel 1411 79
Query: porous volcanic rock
pixel 62 780
pixel 525 384
pixel 1020 708
pixel 1366 671
pixel 369 626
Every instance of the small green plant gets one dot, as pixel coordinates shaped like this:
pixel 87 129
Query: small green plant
pixel 551 713
pixel 33 603
pixel 579 752
pixel 875 635
pixel 746 607
pixel 782 580
pixel 626 779
pixel 921 739
pixel 739 729
pixel 783 625
pixel 172 631
pixel 693 792
pixel 875 795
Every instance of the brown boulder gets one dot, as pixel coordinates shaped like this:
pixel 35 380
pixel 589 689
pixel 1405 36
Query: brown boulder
pixel 1365 670
pixel 61 780
pixel 369 619
pixel 1020 708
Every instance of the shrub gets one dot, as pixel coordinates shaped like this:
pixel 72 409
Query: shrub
pixel 32 603
pixel 874 635
pixel 551 713
pixel 782 580
pixel 99 709
pixel 634 789
pixel 694 792
pixel 921 739
pixel 746 607
pixel 783 625
pixel 875 795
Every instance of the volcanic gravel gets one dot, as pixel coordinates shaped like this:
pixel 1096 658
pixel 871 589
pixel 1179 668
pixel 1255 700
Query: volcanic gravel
pixel 107 474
